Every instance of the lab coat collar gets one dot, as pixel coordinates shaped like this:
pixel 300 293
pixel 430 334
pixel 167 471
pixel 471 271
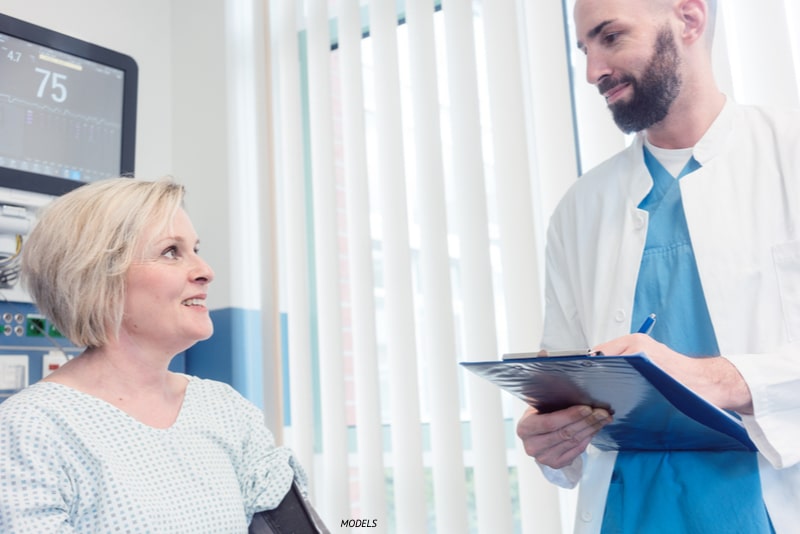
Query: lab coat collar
pixel 707 148
pixel 640 181
pixel 716 137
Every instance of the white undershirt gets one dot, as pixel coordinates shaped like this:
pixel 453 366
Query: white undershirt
pixel 674 160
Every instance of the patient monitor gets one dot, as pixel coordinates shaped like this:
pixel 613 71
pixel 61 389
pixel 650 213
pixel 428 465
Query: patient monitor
pixel 67 117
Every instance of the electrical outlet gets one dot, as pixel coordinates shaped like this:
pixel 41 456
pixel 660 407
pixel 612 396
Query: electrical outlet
pixel 13 373
pixel 35 326
pixel 52 361
pixel 52 331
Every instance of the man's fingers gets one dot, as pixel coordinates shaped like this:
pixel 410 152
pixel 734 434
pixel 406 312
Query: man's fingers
pixel 555 439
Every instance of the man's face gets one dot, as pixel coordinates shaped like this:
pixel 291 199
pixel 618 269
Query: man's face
pixel 653 90
pixel 631 57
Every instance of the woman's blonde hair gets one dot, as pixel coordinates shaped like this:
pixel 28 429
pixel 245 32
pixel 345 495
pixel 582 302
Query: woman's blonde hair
pixel 76 257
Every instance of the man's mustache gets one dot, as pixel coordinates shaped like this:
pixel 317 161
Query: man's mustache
pixel 607 84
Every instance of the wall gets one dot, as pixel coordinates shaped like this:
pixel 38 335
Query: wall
pixel 138 28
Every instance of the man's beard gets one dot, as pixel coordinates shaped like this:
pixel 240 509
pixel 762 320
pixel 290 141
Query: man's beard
pixel 653 93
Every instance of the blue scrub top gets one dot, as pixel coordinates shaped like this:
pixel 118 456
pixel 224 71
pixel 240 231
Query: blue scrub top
pixel 679 492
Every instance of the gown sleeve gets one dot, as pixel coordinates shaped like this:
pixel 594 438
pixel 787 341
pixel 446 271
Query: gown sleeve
pixel 35 488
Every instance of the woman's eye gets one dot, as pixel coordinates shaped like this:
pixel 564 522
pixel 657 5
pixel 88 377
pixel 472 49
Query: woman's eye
pixel 171 253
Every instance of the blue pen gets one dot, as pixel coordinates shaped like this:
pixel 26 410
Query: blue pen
pixel 647 325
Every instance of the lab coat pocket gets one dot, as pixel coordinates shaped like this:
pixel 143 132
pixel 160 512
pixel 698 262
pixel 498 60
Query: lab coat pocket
pixel 787 268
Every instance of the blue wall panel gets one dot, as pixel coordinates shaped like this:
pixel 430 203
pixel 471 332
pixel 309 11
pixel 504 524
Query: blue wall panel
pixel 233 354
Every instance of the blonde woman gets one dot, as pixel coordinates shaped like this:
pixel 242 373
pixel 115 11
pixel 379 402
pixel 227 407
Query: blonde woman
pixel 113 440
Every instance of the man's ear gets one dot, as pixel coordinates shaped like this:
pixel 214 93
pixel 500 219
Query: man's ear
pixel 694 16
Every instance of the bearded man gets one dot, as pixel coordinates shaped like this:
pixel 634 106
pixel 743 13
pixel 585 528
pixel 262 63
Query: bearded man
pixel 698 222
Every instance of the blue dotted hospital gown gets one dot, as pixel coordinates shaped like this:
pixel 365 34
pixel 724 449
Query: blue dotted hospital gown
pixel 70 462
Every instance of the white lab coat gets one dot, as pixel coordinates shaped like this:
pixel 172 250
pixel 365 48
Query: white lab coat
pixel 743 212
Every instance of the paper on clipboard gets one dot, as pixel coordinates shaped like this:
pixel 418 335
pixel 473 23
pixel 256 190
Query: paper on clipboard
pixel 652 411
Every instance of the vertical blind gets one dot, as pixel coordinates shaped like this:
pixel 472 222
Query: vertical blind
pixel 438 327
pixel 419 153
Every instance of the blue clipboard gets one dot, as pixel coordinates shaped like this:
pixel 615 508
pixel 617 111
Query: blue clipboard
pixel 652 411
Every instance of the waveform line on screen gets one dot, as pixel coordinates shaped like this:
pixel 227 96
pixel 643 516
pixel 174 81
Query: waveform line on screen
pixel 98 121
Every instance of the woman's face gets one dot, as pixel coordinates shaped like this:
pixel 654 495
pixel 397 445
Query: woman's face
pixel 165 302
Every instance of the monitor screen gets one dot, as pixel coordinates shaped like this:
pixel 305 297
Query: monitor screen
pixel 67 110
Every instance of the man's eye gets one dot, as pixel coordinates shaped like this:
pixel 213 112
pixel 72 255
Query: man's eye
pixel 610 38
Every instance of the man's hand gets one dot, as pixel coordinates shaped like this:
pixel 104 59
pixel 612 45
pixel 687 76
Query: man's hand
pixel 556 439
pixel 713 378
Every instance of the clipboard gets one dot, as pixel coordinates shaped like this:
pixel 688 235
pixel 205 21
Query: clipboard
pixel 652 411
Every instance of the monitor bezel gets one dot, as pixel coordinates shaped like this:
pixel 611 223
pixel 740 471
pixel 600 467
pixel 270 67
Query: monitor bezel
pixel 26 31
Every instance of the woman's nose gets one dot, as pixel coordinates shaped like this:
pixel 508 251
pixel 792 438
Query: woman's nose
pixel 202 271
